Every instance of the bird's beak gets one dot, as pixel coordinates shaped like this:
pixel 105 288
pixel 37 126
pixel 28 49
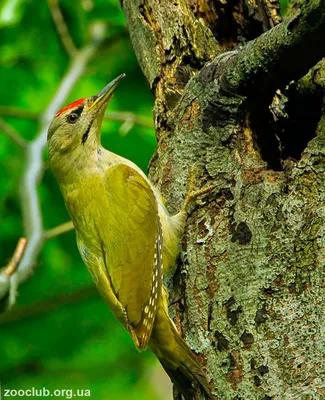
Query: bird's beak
pixel 102 98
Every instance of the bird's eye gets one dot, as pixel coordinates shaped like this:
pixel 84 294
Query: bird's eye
pixel 72 118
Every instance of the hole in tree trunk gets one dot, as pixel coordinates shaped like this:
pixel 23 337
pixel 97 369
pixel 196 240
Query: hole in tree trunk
pixel 284 128
pixel 231 25
pixel 262 124
pixel 304 112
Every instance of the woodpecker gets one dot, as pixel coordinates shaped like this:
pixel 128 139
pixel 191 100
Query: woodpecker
pixel 125 235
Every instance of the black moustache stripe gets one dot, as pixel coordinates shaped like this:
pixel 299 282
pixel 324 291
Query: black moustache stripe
pixel 85 135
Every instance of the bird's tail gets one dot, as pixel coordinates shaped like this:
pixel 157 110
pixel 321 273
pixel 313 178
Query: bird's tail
pixel 176 357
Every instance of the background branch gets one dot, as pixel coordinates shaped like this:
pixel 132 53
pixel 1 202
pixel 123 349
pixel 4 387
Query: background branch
pixel 15 259
pixel 48 305
pixel 122 116
pixel 129 117
pixel 62 28
pixel 34 167
pixel 58 230
pixel 18 112
pixel 12 133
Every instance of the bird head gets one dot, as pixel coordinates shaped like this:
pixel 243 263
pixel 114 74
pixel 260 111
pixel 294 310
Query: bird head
pixel 76 128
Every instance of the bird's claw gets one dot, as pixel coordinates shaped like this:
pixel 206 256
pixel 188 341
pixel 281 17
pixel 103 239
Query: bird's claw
pixel 193 194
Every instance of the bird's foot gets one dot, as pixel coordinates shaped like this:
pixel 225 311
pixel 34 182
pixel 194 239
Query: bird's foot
pixel 193 194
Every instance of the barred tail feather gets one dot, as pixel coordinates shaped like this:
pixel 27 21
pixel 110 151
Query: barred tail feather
pixel 185 375
pixel 176 357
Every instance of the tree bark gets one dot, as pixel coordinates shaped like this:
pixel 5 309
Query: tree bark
pixel 248 294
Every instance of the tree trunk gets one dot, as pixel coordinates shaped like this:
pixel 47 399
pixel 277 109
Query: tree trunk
pixel 248 294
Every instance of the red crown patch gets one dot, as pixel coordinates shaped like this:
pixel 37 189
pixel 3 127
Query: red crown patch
pixel 71 105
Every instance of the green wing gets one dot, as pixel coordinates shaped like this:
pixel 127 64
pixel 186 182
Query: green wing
pixel 131 241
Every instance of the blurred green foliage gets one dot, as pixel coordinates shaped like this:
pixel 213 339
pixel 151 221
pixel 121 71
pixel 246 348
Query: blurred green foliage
pixel 284 6
pixel 61 334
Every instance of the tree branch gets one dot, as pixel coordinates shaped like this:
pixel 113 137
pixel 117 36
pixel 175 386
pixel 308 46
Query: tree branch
pixel 280 55
pixel 12 133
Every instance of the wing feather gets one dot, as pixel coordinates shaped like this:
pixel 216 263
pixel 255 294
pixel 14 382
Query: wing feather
pixel 131 243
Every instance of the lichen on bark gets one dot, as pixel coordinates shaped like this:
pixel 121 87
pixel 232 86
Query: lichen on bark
pixel 250 282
